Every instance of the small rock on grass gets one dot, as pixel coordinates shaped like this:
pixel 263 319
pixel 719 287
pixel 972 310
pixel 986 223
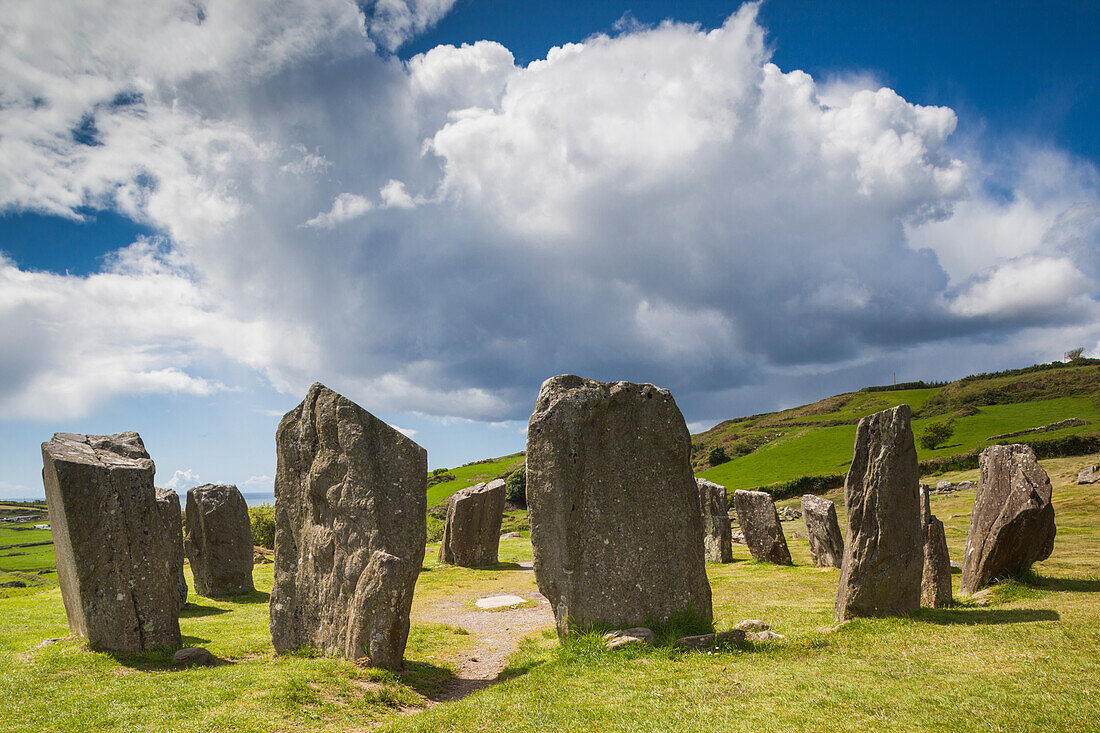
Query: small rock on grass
pixel 194 656
pixel 703 642
pixel 512 536
pixel 621 637
pixel 752 624
pixel 765 635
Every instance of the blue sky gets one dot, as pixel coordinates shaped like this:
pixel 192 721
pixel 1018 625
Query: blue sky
pixel 432 206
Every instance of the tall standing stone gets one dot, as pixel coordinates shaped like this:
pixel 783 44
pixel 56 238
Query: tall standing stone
pixel 823 531
pixel 613 505
pixel 1012 522
pixel 168 505
pixel 759 520
pixel 471 536
pixel 350 529
pixel 116 568
pixel 884 554
pixel 717 530
pixel 935 587
pixel 219 541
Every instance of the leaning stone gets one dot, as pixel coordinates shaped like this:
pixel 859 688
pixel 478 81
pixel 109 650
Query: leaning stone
pixel 219 541
pixel 613 505
pixel 471 536
pixel 168 505
pixel 194 656
pixel 622 637
pixel 1088 475
pixel 884 555
pixel 118 574
pixel 1012 522
pixel 759 521
pixel 717 529
pixel 350 529
pixel 703 642
pixel 935 588
pixel 823 531
pixel 752 624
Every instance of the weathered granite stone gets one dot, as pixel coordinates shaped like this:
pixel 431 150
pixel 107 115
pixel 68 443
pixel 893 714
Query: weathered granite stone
pixel 935 587
pixel 350 528
pixel 168 504
pixel 823 531
pixel 883 554
pixel 117 571
pixel 1088 475
pixel 613 505
pixel 1012 522
pixel 621 637
pixel 759 521
pixel 194 656
pixel 717 528
pixel 219 541
pixel 471 536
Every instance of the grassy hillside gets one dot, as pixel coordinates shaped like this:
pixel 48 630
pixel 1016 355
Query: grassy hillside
pixel 816 439
pixel 470 474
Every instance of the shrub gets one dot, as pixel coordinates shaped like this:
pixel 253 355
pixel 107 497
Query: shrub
pixel 937 434
pixel 262 519
pixel 435 528
pixel 717 455
pixel 515 487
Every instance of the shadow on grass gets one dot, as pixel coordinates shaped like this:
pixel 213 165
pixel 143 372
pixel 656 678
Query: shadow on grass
pixel 194 610
pixel 1076 585
pixel 161 659
pixel 985 616
pixel 440 684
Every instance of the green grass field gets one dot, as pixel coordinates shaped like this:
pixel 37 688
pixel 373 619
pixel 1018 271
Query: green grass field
pixel 1029 661
pixel 469 475
pixel 31 565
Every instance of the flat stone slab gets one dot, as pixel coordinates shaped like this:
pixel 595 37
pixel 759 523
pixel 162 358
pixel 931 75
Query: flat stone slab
pixel 492 602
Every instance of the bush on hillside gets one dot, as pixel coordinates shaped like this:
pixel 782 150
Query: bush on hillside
pixel 262 520
pixel 515 487
pixel 936 434
pixel 717 456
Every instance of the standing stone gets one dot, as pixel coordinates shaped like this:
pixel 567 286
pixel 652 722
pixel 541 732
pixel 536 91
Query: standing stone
pixel 219 541
pixel 613 505
pixel 884 555
pixel 1012 522
pixel 117 571
pixel 1088 475
pixel 759 521
pixel 471 535
pixel 717 528
pixel 350 528
pixel 935 587
pixel 823 531
pixel 168 505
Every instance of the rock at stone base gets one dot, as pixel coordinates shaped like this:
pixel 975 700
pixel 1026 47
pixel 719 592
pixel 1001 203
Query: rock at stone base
pixel 823 531
pixel 935 590
pixel 752 624
pixel 1012 522
pixel 717 528
pixel 765 636
pixel 622 637
pixel 703 642
pixel 350 529
pixel 1088 475
pixel 613 505
pixel 116 569
pixel 471 536
pixel 759 521
pixel 219 541
pixel 194 656
pixel 168 505
pixel 883 555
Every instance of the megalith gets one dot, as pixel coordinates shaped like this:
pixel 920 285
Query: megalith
pixel 823 531
pixel 1088 475
pixel 759 520
pixel 117 570
pixel 1012 522
pixel 613 505
pixel 471 535
pixel 935 587
pixel 884 552
pixel 168 505
pixel 350 529
pixel 219 541
pixel 717 529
